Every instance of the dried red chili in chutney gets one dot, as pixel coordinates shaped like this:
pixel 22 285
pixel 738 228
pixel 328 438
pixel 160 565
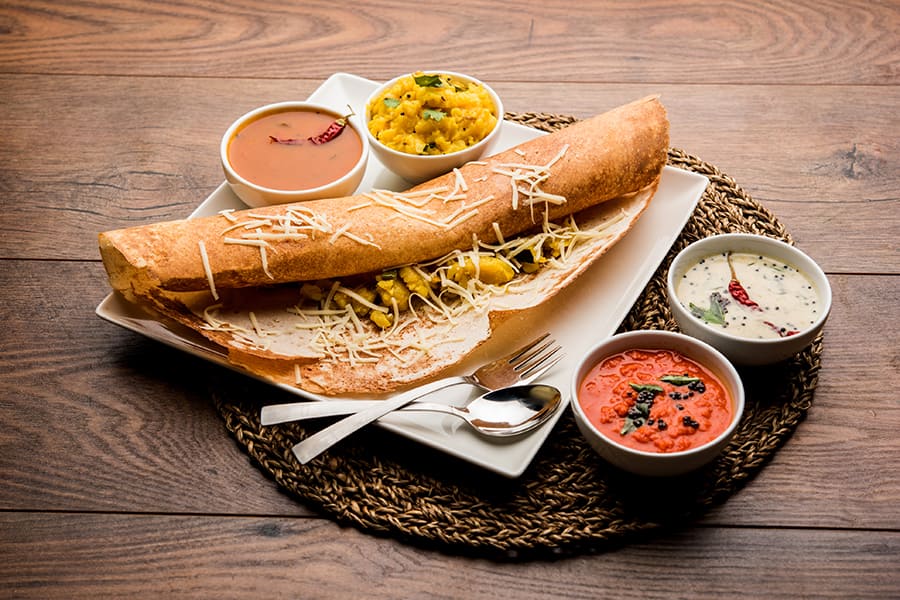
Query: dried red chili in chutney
pixel 295 149
pixel 655 401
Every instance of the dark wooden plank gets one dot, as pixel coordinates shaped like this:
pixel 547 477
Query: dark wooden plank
pixel 96 418
pixel 833 186
pixel 118 477
pixel 88 556
pixel 736 42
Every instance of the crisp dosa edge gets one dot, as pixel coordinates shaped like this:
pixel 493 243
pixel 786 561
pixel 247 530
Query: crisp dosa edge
pixel 390 373
pixel 609 155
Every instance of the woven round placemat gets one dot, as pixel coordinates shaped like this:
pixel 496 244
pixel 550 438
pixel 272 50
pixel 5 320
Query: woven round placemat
pixel 568 500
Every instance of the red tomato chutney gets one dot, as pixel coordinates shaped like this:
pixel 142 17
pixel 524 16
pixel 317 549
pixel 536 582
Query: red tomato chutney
pixel 294 150
pixel 655 401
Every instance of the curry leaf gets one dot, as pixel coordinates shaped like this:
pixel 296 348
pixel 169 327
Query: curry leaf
pixel 716 311
pixel 637 416
pixel 628 427
pixel 428 81
pixel 679 379
pixel 639 412
pixel 656 389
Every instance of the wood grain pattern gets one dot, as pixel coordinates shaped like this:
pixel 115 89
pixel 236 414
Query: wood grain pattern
pixel 166 154
pixel 86 555
pixel 117 476
pixel 765 42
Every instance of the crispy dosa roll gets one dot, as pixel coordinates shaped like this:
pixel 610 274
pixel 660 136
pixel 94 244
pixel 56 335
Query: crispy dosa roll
pixel 381 290
pixel 592 161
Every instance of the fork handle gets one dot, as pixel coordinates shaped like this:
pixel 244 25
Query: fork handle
pixel 314 445
pixel 298 411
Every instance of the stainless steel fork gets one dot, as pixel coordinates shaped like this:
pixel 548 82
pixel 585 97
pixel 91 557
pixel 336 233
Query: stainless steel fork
pixel 521 366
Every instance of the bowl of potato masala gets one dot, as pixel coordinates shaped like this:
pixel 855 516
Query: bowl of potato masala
pixel 656 403
pixel 424 124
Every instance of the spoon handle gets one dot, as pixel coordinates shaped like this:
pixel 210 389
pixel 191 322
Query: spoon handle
pixel 314 445
pixel 299 411
pixel 295 411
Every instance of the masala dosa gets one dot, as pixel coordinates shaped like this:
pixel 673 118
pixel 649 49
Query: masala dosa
pixel 616 153
pixel 236 277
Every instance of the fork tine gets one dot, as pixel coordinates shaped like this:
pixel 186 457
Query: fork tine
pixel 531 353
pixel 537 359
pixel 521 353
pixel 539 369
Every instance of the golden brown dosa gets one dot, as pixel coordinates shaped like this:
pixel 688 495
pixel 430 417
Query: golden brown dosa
pixel 613 154
pixel 282 353
pixel 603 172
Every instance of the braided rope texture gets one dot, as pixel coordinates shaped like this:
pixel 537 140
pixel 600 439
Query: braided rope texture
pixel 568 501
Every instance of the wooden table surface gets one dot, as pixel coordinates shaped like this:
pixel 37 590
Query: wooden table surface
pixel 117 476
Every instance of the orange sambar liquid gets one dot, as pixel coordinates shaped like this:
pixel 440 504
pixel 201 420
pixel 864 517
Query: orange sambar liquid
pixel 295 166
pixel 679 419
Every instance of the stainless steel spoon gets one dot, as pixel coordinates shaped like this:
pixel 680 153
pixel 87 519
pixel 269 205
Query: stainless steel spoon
pixel 504 412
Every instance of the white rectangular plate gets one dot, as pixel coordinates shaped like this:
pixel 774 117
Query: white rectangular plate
pixel 580 316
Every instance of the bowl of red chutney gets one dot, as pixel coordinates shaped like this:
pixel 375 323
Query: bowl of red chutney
pixel 656 403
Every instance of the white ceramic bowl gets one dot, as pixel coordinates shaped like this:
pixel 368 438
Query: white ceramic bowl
pixel 657 464
pixel 741 350
pixel 418 168
pixel 255 195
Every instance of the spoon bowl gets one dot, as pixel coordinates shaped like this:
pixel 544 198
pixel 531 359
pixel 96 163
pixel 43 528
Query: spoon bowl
pixel 505 412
